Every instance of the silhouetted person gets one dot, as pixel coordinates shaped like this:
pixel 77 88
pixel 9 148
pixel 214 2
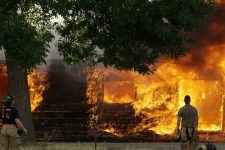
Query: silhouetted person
pixel 10 124
pixel 187 125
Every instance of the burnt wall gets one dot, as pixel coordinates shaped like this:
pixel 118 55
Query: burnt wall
pixel 63 114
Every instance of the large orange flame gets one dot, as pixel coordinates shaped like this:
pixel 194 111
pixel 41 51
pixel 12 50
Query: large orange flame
pixel 37 83
pixel 159 96
pixel 156 98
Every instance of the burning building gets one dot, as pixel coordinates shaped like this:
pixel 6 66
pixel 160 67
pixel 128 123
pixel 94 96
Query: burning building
pixel 155 100
pixel 37 82
pixel 57 97
pixel 79 102
pixel 149 103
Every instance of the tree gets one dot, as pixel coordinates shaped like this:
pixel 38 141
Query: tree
pixel 129 34
pixel 126 34
pixel 24 37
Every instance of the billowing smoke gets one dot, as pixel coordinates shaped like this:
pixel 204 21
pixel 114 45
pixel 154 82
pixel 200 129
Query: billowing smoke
pixel 208 48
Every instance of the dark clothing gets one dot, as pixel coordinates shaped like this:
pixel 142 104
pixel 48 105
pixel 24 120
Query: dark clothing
pixel 9 114
pixel 189 120
pixel 189 116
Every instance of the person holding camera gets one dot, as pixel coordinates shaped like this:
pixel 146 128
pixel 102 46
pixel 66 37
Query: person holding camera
pixel 10 124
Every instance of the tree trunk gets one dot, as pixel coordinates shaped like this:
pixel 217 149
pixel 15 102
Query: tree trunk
pixel 18 87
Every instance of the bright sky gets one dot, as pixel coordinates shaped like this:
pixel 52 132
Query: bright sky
pixel 53 52
pixel 1 55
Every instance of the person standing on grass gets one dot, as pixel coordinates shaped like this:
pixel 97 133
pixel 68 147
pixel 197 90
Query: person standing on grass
pixel 10 124
pixel 187 125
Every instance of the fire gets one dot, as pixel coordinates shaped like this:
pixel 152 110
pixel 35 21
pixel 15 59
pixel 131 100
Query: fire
pixel 94 94
pixel 110 129
pixel 156 98
pixel 37 83
pixel 160 95
pixel 3 81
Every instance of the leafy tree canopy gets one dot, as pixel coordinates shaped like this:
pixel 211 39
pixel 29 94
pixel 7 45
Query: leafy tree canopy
pixel 25 31
pixel 128 34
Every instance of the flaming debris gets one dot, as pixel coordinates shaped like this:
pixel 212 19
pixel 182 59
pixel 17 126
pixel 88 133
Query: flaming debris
pixel 156 98
pixel 94 94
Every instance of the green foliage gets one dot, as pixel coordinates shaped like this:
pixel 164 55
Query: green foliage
pixel 126 34
pixel 25 32
pixel 131 34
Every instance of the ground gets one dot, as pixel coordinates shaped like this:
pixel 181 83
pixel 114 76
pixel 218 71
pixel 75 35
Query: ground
pixel 109 146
